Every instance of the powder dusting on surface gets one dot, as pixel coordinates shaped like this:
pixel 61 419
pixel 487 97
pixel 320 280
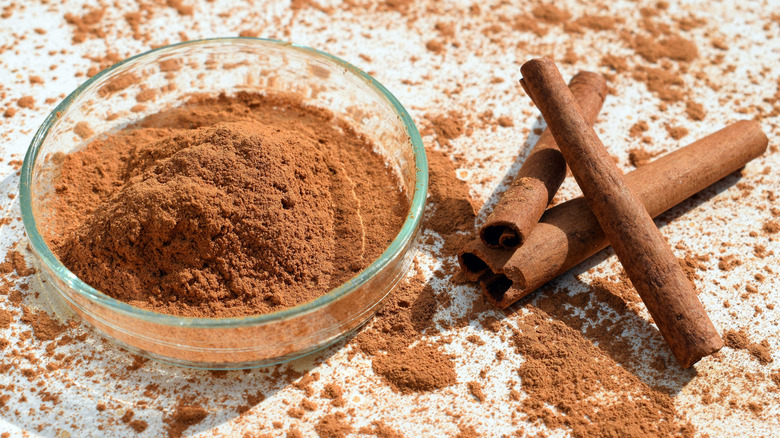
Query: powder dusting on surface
pixel 454 67
pixel 590 394
pixel 183 417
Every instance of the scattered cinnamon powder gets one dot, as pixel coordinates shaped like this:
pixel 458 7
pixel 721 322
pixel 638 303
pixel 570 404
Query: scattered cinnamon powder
pixel 14 261
pixel 467 431
pixel 674 47
pixel 146 95
pixel 137 425
pixel 639 157
pixel 692 264
pixel 550 14
pixel 525 23
pixel 605 340
pixel 638 128
pixel 394 340
pixel 401 321
pixel 87 25
pixel 26 102
pixel 695 110
pixel 180 7
pixel 225 207
pixel 333 426
pixel 252 399
pixel 771 227
pixel 475 388
pixel 776 378
pixel 118 83
pixel 422 367
pixel 380 430
pixel 738 340
pixel 617 63
pixel 435 46
pixel 761 352
pixel 5 319
pixel 505 122
pixel 729 262
pixel 445 29
pixel 665 84
pixel 15 297
pixel 453 208
pixel 83 130
pixel 45 328
pixel 334 392
pixel 676 132
pixel 448 127
pixel 183 417
pixel 597 22
pixel 573 384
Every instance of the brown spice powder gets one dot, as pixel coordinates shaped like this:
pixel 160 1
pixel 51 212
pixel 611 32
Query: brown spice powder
pixel 597 22
pixel 183 417
pixel 738 340
pixel 573 384
pixel 395 339
pixel 626 25
pixel 550 14
pixel 674 47
pixel 453 208
pixel 448 126
pixel 771 227
pixel 639 157
pixel 422 367
pixel 14 261
pixel 5 319
pixel 333 426
pixel 45 328
pixel 26 102
pixel 225 207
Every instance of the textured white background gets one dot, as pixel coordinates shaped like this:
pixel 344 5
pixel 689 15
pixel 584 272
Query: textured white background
pixel 427 83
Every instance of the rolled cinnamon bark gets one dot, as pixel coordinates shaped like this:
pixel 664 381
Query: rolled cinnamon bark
pixel 646 257
pixel 569 233
pixel 541 174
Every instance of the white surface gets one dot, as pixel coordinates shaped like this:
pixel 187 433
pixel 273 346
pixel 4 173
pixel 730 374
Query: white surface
pixel 397 52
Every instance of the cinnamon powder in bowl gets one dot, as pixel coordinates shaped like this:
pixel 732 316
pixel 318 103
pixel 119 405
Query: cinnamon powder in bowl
pixel 245 203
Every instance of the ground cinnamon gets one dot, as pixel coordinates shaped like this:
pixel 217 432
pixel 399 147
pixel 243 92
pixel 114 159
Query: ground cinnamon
pixel 227 206
pixel 569 233
pixel 649 262
pixel 541 174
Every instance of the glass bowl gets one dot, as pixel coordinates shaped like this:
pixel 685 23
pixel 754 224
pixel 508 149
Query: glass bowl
pixel 108 102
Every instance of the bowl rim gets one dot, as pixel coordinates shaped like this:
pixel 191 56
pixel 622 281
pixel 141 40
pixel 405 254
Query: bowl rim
pixel 401 240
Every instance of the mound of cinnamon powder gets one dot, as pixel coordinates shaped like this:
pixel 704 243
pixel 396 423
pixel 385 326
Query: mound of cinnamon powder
pixel 226 206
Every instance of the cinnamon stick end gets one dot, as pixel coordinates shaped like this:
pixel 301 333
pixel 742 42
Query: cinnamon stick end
pixel 706 347
pixel 501 292
pixel 495 288
pixel 472 266
pixel 501 235
pixel 509 238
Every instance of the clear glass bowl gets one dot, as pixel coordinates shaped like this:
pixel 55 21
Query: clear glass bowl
pixel 107 102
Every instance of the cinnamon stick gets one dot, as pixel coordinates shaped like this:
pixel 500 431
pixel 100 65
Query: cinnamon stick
pixel 541 174
pixel 569 233
pixel 646 257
